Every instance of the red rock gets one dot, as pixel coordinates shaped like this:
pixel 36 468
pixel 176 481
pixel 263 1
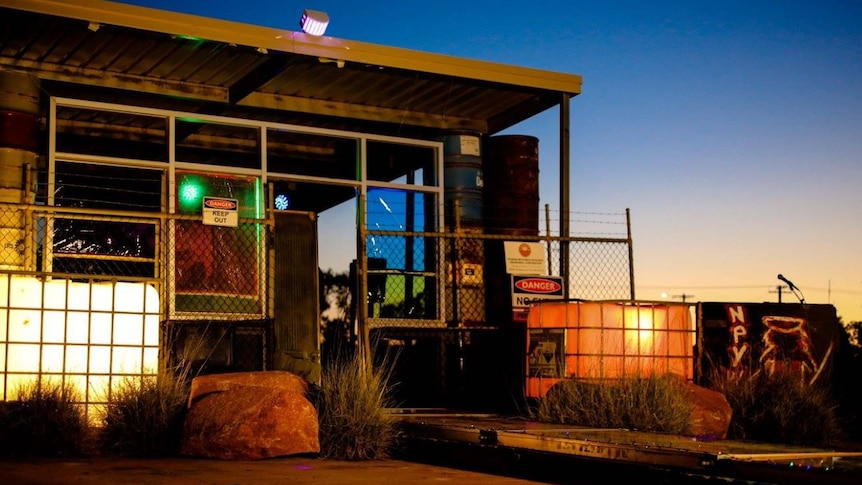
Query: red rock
pixel 710 412
pixel 249 415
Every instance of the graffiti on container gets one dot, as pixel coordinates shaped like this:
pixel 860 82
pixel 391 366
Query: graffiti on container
pixel 786 344
pixel 739 346
pixel 787 347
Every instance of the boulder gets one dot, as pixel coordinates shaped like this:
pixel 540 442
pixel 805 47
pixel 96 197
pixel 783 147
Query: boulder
pixel 710 412
pixel 249 415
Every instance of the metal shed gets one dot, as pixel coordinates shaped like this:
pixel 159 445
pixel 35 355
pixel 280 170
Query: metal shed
pixel 119 89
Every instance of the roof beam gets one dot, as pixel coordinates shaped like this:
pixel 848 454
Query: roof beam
pixel 274 65
pixel 119 81
pixel 363 112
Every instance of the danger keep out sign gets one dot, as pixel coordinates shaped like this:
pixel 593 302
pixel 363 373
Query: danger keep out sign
pixel 526 289
pixel 219 211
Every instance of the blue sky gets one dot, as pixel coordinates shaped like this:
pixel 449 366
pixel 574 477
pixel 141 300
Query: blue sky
pixel 731 130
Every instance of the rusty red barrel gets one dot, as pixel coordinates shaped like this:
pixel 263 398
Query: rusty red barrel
pixel 511 170
pixel 19 110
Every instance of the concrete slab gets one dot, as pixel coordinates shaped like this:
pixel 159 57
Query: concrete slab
pixel 189 471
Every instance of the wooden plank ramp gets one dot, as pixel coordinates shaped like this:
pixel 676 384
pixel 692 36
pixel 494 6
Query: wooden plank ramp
pixel 432 429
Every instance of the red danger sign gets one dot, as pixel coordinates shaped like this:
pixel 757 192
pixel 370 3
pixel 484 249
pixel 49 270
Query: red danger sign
pixel 223 204
pixel 527 289
pixel 538 285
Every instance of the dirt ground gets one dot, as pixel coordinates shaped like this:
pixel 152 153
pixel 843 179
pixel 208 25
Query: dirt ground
pixel 190 471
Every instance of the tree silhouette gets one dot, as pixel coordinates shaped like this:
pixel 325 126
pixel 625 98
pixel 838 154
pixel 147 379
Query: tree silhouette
pixel 337 334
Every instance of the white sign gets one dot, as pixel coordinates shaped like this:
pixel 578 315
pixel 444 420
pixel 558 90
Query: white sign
pixel 219 211
pixel 525 258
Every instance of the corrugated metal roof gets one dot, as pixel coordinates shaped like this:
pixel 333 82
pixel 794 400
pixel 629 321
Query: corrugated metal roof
pixel 122 53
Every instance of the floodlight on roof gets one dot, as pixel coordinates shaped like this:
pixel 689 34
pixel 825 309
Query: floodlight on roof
pixel 314 22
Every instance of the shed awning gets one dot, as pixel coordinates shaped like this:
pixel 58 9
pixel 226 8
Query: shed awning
pixel 127 54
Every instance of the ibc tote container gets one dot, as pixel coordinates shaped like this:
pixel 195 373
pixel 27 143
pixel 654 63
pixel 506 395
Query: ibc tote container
pixel 607 340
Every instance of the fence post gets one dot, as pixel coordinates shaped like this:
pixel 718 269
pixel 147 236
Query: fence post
pixel 631 255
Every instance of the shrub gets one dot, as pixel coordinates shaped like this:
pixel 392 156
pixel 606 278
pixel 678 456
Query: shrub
pixel 352 403
pixel 779 408
pixel 145 415
pixel 651 403
pixel 45 420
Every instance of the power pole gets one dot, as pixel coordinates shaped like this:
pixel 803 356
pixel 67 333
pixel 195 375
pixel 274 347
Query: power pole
pixel 683 297
pixel 779 289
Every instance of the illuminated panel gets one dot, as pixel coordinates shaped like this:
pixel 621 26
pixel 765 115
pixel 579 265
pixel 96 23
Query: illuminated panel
pixel 609 340
pixel 88 334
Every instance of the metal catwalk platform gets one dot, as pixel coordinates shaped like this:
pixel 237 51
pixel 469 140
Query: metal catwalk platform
pixel 447 436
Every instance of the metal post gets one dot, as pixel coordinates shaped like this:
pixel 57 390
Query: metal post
pixel 548 236
pixel 564 191
pixel 631 255
pixel 362 276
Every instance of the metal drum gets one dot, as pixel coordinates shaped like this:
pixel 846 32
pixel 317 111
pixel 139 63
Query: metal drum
pixel 511 168
pixel 463 179
pixel 19 92
pixel 19 125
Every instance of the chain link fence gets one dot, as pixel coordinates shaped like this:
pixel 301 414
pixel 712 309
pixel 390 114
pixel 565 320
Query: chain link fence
pixel 136 290
pixel 473 287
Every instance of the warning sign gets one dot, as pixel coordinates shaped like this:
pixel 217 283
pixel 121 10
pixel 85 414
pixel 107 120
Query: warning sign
pixel 221 212
pixel 546 354
pixel 528 289
pixel 525 257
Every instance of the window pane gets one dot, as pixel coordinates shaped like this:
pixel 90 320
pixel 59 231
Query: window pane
pixel 315 155
pixel 198 141
pixel 394 162
pixel 192 187
pixel 218 268
pixel 111 134
pixel 106 245
pixel 107 187
pixel 309 197
pixel 401 268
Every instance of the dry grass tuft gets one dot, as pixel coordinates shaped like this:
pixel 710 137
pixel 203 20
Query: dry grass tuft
pixel 779 408
pixel 353 410
pixel 43 421
pixel 658 404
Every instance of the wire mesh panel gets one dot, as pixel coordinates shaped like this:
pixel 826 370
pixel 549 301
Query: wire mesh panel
pixel 87 311
pixel 401 280
pixel 476 288
pixel 217 271
pixel 598 269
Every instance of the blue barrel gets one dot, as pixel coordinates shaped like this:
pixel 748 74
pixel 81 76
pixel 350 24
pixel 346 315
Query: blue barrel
pixel 463 180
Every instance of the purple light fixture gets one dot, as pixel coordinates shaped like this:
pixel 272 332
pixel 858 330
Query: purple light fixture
pixel 314 22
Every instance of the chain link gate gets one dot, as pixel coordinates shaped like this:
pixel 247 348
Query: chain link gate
pixel 447 318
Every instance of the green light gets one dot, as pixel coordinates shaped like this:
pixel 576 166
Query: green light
pixel 258 197
pixel 190 194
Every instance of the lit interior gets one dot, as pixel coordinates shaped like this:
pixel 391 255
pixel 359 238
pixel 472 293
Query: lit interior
pixel 90 335
pixel 603 340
